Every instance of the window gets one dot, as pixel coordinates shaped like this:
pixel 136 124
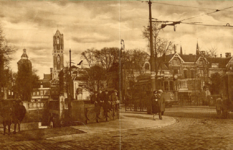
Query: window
pixel 201 73
pixel 192 73
pixel 38 93
pixel 165 85
pixel 147 66
pixel 41 92
pixel 171 85
pixel 176 71
pixel 183 84
pixel 214 65
pixel 185 73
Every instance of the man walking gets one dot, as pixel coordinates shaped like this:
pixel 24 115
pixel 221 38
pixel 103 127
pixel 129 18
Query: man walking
pixel 161 103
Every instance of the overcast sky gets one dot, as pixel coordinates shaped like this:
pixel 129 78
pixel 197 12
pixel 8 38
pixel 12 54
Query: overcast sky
pixel 97 24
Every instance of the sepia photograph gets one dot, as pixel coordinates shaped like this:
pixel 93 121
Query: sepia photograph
pixel 116 75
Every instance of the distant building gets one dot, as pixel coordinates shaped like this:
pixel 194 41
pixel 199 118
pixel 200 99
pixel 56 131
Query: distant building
pixel 25 76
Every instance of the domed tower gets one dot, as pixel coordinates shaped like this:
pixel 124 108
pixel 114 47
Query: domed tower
pixel 58 59
pixel 24 62
pixel 24 79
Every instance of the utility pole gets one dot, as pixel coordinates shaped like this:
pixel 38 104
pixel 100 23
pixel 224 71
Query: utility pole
pixel 152 57
pixel 70 87
pixel 120 70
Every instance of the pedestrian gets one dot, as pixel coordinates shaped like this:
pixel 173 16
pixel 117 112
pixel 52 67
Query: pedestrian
pixel 97 106
pixel 101 96
pixel 154 104
pixel 114 99
pixel 18 115
pixel 161 102
pixel 106 103
pixel 92 97
pixel 148 97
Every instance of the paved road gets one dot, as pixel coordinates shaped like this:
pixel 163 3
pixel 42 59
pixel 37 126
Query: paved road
pixel 195 129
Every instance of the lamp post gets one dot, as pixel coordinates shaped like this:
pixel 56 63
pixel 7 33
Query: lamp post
pixel 120 70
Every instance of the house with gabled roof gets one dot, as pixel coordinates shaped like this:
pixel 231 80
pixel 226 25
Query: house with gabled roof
pixel 186 74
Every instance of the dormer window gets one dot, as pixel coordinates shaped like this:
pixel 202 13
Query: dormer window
pixel 214 65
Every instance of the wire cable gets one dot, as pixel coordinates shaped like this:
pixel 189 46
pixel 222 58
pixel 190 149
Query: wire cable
pixel 217 10
pixel 207 25
pixel 183 6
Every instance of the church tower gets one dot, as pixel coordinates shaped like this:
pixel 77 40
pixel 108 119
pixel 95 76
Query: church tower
pixel 197 50
pixel 58 58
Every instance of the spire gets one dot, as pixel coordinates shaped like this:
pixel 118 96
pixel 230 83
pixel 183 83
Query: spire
pixel 24 55
pixel 174 48
pixel 197 49
pixel 181 52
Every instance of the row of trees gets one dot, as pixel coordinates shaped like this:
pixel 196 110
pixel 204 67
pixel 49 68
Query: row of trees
pixel 104 61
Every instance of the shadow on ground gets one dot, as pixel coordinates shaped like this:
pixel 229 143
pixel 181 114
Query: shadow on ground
pixel 40 134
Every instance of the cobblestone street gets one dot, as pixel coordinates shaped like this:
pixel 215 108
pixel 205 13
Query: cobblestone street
pixel 195 128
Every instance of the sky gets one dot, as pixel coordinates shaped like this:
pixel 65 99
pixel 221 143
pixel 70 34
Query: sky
pixel 31 25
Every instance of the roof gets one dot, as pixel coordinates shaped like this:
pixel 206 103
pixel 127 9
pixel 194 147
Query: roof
pixel 57 33
pixel 47 77
pixel 221 61
pixel 189 58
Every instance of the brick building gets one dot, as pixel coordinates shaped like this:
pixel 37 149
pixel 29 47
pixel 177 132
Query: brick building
pixel 186 75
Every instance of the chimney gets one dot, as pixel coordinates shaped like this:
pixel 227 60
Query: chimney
pixel 174 48
pixel 181 52
pixel 228 55
pixel 51 73
pixel 221 55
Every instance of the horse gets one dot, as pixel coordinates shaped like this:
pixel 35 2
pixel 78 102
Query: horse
pixel 18 114
pixel 12 113
pixel 6 113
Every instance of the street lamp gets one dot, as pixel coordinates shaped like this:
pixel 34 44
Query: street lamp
pixel 120 70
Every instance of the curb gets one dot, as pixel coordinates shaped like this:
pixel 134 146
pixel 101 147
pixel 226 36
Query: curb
pixel 156 124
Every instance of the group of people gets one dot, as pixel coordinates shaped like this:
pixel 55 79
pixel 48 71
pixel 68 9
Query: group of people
pixel 12 113
pixel 158 104
pixel 107 99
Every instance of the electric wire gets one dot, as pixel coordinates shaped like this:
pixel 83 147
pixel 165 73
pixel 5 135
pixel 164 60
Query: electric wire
pixel 207 25
pixel 183 6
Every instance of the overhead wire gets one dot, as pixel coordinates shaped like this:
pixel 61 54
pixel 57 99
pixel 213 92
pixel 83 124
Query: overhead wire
pixel 183 5
pixel 207 25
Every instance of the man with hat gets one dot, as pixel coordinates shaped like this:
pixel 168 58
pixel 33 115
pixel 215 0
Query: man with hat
pixel 161 103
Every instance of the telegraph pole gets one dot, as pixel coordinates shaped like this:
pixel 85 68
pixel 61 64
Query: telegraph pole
pixel 70 87
pixel 120 70
pixel 152 58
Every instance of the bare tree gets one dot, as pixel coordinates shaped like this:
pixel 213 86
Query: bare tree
pixel 212 51
pixel 104 57
pixel 160 45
